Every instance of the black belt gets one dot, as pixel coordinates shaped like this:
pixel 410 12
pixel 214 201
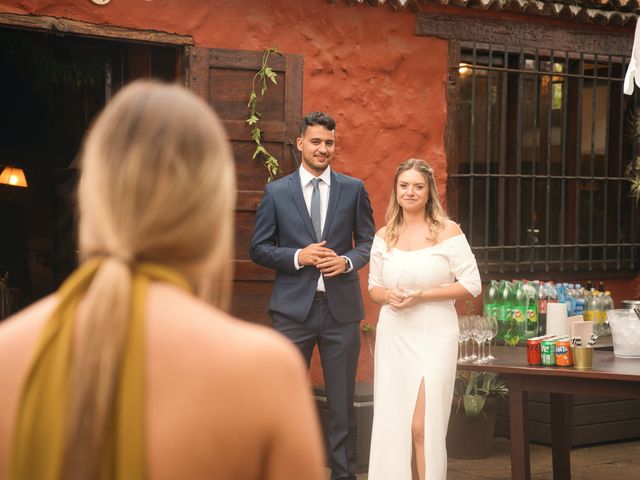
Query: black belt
pixel 319 295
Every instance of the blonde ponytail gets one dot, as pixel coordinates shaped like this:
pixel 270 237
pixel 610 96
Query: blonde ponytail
pixel 157 185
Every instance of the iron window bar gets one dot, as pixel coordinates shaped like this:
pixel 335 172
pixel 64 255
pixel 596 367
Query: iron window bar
pixel 573 144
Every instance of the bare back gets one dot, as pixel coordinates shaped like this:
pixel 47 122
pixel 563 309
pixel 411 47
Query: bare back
pixel 224 399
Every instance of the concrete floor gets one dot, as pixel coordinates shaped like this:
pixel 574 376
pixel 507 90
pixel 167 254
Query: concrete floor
pixel 615 461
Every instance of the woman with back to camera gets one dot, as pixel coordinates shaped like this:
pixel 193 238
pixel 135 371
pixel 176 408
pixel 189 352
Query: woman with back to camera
pixel 420 263
pixel 148 377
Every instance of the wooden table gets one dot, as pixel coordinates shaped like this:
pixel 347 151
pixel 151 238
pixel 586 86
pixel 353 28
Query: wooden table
pixel 609 376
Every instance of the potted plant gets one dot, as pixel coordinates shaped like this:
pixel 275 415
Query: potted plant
pixel 473 414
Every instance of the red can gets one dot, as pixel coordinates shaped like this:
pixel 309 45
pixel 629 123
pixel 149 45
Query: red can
pixel 533 351
pixel 564 357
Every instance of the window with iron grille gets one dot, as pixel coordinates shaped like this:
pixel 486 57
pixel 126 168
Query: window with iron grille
pixel 539 144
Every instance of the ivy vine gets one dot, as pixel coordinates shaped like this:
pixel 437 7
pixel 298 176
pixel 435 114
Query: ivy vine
pixel 263 75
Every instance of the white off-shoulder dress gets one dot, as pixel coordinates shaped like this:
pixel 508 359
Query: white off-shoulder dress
pixel 412 344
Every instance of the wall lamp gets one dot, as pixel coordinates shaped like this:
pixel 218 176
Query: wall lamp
pixel 13 176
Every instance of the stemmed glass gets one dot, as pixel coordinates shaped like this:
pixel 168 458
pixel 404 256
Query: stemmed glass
pixel 479 333
pixel 407 282
pixel 470 336
pixel 463 336
pixel 492 324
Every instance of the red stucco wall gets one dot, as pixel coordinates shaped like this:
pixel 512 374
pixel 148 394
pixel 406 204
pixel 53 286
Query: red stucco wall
pixel 364 65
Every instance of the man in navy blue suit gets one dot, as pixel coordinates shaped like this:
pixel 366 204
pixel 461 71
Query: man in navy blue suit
pixel 315 227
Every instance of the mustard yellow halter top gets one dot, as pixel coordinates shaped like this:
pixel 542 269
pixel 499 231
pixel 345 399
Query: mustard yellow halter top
pixel 37 449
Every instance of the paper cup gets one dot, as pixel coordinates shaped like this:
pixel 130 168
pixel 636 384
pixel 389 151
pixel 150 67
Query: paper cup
pixel 557 319
pixel 582 330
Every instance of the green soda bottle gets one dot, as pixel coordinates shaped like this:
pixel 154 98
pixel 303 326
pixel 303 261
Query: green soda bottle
pixel 503 308
pixel 531 309
pixel 490 299
pixel 518 319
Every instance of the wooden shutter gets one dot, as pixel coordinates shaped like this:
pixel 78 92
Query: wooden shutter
pixel 223 78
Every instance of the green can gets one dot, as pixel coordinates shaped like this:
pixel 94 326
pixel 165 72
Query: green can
pixel 548 352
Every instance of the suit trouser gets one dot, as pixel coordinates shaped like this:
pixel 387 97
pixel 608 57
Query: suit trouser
pixel 339 348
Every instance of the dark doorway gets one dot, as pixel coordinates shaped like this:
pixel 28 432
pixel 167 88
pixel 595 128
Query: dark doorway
pixel 51 88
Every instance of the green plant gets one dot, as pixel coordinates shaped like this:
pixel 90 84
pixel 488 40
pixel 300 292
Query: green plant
pixel 368 330
pixel 262 76
pixel 632 173
pixel 367 327
pixel 473 388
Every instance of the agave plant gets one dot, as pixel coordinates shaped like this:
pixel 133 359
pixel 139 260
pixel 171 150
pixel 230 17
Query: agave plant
pixel 473 388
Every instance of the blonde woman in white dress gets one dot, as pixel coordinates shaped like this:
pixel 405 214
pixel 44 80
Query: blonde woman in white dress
pixel 420 264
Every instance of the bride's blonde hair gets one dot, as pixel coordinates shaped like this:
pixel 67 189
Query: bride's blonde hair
pixel 157 184
pixel 433 211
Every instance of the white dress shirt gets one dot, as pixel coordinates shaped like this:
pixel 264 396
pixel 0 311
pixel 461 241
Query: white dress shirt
pixel 307 191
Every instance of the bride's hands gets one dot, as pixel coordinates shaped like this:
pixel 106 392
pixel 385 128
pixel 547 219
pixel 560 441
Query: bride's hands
pixel 399 301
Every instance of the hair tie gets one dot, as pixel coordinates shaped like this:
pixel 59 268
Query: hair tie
pixel 123 257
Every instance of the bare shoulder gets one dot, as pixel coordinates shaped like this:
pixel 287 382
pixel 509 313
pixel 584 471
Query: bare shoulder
pixel 451 229
pixel 382 232
pixel 18 338
pixel 25 325
pixel 187 322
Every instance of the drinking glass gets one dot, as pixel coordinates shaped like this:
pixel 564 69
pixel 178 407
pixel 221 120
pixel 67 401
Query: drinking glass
pixel 492 324
pixel 479 335
pixel 407 282
pixel 473 332
pixel 463 336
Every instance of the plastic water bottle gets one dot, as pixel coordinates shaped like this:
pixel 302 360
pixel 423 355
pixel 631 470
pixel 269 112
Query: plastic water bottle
pixel 518 324
pixel 546 296
pixel 491 299
pixel 578 295
pixel 606 304
pixel 552 293
pixel 592 308
pixel 503 310
pixel 531 310
pixel 571 301
pixel 543 300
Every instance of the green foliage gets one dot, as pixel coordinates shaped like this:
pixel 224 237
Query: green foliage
pixel 263 75
pixel 473 388
pixel 77 74
pixel 367 327
pixel 632 173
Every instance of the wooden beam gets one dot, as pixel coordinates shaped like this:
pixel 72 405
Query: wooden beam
pixel 524 35
pixel 76 27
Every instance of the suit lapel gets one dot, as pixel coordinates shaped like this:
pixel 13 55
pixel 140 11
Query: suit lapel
pixel 334 200
pixel 298 200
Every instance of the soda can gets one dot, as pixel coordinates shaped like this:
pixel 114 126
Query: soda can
pixel 548 352
pixel 564 357
pixel 533 351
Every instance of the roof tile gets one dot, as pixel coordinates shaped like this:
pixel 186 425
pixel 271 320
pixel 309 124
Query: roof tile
pixel 599 12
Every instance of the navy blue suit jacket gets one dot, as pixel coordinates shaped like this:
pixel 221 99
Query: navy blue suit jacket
pixel 283 226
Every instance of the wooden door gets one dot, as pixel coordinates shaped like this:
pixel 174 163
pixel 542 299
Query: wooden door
pixel 223 78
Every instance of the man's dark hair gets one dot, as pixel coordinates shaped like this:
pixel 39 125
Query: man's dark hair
pixel 317 118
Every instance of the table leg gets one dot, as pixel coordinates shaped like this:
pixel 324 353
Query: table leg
pixel 520 464
pixel 561 407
